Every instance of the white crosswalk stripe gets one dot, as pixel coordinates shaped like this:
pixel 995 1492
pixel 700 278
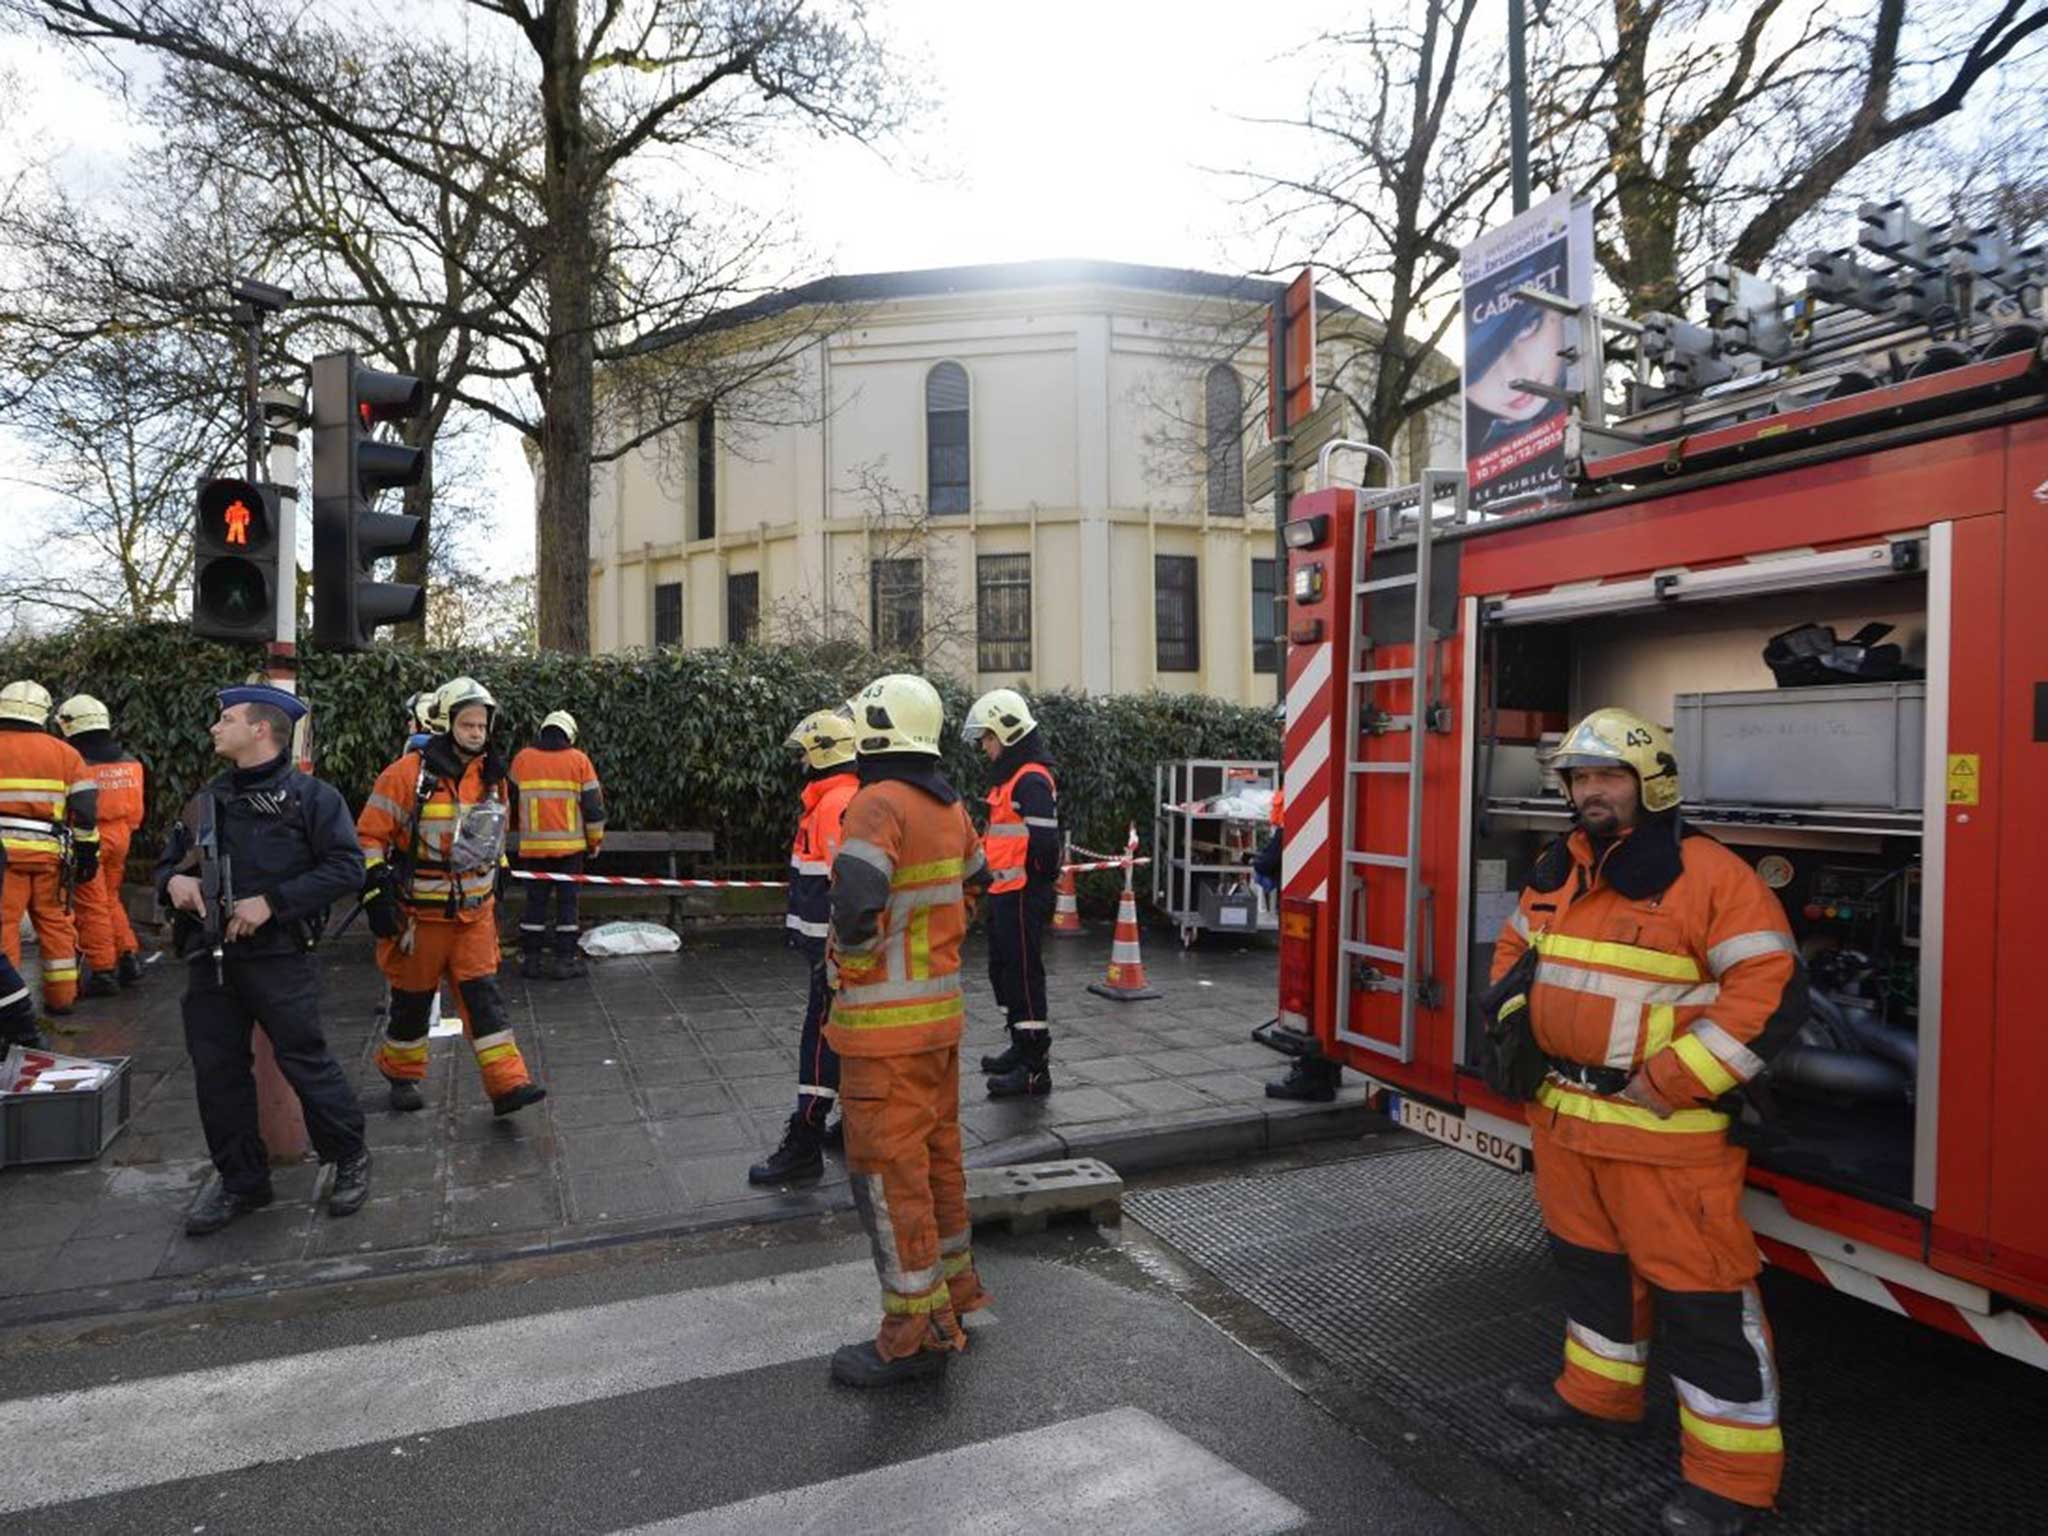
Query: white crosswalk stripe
pixel 74 1445
pixel 1119 1471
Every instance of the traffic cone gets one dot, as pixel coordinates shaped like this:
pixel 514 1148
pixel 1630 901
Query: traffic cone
pixel 1066 910
pixel 1126 979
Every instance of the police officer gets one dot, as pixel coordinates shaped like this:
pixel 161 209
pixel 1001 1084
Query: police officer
pixel 290 852
pixel 1023 848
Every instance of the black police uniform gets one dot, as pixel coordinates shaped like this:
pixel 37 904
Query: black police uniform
pixel 290 840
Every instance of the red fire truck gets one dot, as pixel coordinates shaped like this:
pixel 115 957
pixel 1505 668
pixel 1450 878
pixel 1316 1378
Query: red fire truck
pixel 1872 452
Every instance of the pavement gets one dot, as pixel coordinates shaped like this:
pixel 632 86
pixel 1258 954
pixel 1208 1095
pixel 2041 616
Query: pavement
pixel 667 1076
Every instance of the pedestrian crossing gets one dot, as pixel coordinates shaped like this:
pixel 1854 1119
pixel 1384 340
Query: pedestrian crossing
pixel 1115 1469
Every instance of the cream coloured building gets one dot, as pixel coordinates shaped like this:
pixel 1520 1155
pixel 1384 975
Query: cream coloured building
pixel 1024 474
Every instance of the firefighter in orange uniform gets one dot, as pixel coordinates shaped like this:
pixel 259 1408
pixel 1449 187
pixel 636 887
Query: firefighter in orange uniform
pixel 899 912
pixel 49 810
pixel 433 836
pixel 823 740
pixel 559 814
pixel 112 952
pixel 1664 976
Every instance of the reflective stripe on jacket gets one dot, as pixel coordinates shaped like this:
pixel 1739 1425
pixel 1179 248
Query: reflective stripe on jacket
pixel 899 981
pixel 1008 839
pixel 433 889
pixel 560 806
pixel 810 857
pixel 1676 983
pixel 44 788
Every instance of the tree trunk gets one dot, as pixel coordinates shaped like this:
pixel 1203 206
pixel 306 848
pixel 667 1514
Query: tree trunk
pixel 563 536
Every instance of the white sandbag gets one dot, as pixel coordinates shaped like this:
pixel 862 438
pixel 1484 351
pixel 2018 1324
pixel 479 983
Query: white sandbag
pixel 608 939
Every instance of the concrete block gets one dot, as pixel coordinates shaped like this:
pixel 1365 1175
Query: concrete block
pixel 1028 1195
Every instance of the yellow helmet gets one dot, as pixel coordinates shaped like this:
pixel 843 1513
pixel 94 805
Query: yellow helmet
pixel 1002 711
pixel 25 701
pixel 824 737
pixel 83 712
pixel 564 722
pixel 898 713
pixel 456 695
pixel 1615 738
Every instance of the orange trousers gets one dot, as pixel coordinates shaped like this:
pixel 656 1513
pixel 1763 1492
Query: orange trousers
pixel 38 890
pixel 465 953
pixel 1637 1240
pixel 104 933
pixel 903 1157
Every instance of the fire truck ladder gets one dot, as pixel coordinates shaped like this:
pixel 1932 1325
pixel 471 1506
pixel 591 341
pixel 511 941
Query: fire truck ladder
pixel 1402 517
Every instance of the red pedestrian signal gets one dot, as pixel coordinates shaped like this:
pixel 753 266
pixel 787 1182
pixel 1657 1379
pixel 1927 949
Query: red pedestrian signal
pixel 238 522
pixel 234 561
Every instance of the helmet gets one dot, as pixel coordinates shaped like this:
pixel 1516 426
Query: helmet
pixel 1002 711
pixel 452 697
pixel 25 701
pixel 824 737
pixel 563 721
pixel 898 713
pixel 1615 738
pixel 419 710
pixel 83 712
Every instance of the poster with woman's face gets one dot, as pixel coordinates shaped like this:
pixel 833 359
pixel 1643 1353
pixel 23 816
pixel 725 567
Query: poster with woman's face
pixel 1514 350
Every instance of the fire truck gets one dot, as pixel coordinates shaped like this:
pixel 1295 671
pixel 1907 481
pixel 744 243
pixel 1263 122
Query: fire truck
pixel 1867 456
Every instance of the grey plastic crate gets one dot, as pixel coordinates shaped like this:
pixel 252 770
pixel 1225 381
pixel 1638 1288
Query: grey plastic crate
pixel 1853 747
pixel 64 1127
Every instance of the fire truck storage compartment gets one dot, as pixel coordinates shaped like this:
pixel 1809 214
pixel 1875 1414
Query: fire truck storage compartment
pixel 1841 848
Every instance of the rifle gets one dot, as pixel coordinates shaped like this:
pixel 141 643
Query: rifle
pixel 216 887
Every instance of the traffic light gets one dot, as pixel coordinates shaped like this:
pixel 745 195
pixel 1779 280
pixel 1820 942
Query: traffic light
pixel 234 561
pixel 350 468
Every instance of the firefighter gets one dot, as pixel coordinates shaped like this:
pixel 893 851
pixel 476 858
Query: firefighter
pixel 1023 849
pixel 1664 976
pixel 18 1023
pixel 286 854
pixel 899 911
pixel 105 936
pixel 49 810
pixel 823 741
pixel 433 837
pixel 559 809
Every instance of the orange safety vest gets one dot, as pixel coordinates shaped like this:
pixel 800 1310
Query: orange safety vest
pixel 43 786
pixel 899 990
pixel 1675 984
pixel 121 803
pixel 810 857
pixel 1009 834
pixel 434 889
pixel 556 789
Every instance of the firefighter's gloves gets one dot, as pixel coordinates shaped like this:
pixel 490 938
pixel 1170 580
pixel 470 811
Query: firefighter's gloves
pixel 1642 1092
pixel 380 904
pixel 85 862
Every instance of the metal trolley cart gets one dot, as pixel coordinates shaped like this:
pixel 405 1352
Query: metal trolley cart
pixel 1204 838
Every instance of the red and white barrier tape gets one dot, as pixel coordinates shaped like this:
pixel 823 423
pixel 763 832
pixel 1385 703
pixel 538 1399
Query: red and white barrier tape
pixel 664 883
pixel 1082 869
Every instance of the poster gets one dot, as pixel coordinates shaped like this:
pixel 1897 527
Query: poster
pixel 1514 438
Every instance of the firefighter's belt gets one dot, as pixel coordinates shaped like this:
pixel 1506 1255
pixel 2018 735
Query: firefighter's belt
pixel 31 824
pixel 1602 1080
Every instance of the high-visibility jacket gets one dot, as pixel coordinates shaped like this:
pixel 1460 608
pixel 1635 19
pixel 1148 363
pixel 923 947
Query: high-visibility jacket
pixel 560 804
pixel 410 820
pixel 1010 826
pixel 899 913
pixel 1279 809
pixel 1675 971
pixel 44 789
pixel 121 804
pixel 818 834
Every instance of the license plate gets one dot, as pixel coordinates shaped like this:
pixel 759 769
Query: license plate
pixel 1456 1131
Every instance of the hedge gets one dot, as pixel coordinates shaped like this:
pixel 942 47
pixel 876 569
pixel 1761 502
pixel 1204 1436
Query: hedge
pixel 682 739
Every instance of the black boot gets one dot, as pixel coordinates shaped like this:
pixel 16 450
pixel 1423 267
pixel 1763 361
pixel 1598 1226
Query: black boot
pixel 129 971
pixel 567 967
pixel 351 1185
pixel 1541 1406
pixel 861 1365
pixel 835 1135
pixel 800 1156
pixel 533 965
pixel 218 1206
pixel 94 983
pixel 406 1095
pixel 1312 1079
pixel 511 1103
pixel 1008 1059
pixel 1696 1512
pixel 1029 1079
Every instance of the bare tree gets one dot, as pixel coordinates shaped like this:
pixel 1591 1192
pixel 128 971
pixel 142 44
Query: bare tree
pixel 610 269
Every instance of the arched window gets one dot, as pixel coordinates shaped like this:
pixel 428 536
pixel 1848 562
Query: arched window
pixel 945 439
pixel 1223 416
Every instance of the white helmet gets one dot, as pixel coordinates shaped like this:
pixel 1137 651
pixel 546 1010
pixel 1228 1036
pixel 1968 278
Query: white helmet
pixel 456 695
pixel 419 710
pixel 564 722
pixel 25 701
pixel 83 712
pixel 898 713
pixel 1003 712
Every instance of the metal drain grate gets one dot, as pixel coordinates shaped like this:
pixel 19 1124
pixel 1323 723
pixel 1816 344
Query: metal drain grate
pixel 1425 1277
